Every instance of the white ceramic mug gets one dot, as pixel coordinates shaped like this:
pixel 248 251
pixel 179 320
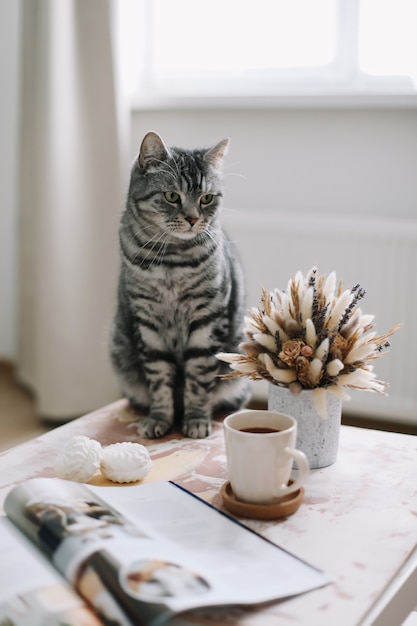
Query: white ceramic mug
pixel 260 450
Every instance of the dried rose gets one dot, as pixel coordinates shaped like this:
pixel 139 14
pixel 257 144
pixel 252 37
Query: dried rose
pixel 291 349
pixel 302 368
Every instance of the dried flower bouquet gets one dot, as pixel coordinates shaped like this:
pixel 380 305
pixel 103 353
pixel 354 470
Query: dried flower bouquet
pixel 313 336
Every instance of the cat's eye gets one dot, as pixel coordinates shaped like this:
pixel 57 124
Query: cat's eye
pixel 206 199
pixel 172 197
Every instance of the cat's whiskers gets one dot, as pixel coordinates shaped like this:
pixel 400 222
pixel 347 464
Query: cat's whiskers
pixel 206 234
pixel 135 233
pixel 155 242
pixel 168 169
pixel 229 173
pixel 216 236
pixel 162 251
pixel 177 167
pixel 161 242
pixel 236 174
pixel 155 239
pixel 132 262
pixel 220 239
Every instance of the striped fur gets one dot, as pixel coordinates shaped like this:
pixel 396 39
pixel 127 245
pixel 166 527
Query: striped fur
pixel 181 294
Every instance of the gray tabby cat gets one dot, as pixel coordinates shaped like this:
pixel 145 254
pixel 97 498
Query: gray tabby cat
pixel 181 293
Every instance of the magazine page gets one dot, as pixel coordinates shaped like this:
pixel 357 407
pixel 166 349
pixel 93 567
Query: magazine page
pixel 240 566
pixel 32 593
pixel 154 548
pixel 90 544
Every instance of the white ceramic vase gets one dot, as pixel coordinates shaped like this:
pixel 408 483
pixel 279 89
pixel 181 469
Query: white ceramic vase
pixel 317 437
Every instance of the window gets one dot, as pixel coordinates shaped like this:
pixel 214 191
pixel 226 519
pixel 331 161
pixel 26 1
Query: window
pixel 388 38
pixel 194 49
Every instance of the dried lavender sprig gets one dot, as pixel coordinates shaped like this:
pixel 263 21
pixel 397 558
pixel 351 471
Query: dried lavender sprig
pixel 312 279
pixel 278 342
pixel 313 283
pixel 383 346
pixel 360 293
pixel 319 322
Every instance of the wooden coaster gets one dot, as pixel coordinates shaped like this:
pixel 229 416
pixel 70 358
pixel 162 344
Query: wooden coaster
pixel 286 506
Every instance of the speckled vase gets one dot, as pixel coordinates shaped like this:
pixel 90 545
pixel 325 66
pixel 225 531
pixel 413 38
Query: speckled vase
pixel 318 438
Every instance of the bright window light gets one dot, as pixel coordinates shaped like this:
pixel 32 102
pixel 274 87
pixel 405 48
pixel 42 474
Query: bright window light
pixel 194 49
pixel 388 37
pixel 195 37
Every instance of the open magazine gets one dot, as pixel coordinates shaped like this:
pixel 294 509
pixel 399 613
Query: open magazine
pixel 86 556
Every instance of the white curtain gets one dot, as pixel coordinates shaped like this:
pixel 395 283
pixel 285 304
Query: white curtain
pixel 71 197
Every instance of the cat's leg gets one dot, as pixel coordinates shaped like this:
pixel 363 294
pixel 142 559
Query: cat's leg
pixel 160 375
pixel 128 368
pixel 201 369
pixel 145 376
pixel 137 395
pixel 197 407
pixel 205 393
pixel 151 393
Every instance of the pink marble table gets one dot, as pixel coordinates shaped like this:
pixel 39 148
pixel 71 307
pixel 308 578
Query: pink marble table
pixel 358 520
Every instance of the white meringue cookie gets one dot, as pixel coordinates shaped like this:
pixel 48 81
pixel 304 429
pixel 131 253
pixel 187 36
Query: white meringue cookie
pixel 79 459
pixel 125 462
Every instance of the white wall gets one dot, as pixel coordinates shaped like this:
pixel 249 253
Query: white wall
pixel 347 161
pixel 9 124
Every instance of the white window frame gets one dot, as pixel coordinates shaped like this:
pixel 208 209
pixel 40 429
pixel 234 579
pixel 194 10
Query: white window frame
pixel 340 84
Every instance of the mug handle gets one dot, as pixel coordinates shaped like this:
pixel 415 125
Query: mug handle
pixel 303 472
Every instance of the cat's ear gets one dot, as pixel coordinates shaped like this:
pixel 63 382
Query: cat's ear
pixel 216 154
pixel 152 147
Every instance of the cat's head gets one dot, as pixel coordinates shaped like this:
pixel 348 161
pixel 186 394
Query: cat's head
pixel 177 191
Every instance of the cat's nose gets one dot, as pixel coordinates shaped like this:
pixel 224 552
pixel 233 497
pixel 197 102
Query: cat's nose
pixel 191 220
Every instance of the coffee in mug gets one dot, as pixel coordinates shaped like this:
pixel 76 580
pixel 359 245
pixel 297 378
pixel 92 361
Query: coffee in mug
pixel 260 450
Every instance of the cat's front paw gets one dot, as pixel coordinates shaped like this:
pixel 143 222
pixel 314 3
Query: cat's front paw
pixel 196 427
pixel 153 427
